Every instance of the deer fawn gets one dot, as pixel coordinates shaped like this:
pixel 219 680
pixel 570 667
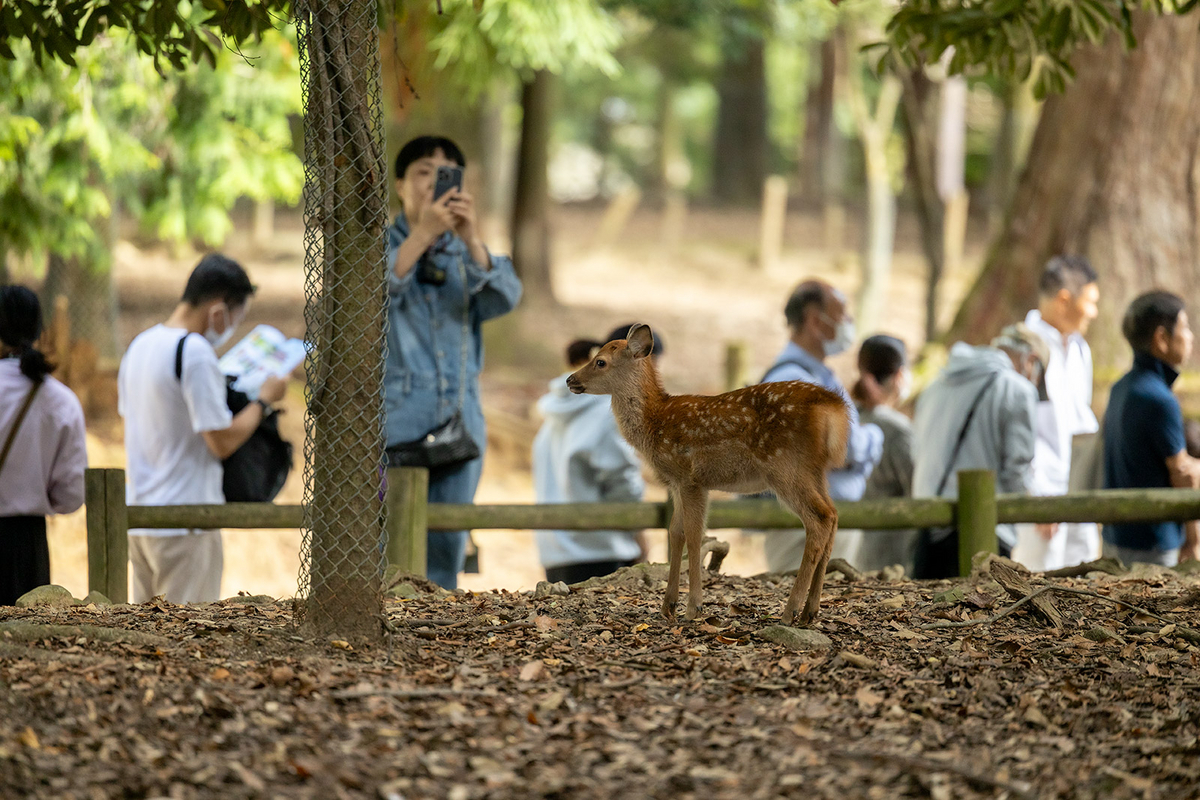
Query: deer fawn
pixel 777 436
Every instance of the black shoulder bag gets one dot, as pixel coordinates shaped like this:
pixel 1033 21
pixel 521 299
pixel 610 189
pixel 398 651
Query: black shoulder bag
pixel 256 471
pixel 927 564
pixel 450 443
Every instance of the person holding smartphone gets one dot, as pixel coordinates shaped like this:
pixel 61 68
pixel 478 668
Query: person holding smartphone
pixel 443 284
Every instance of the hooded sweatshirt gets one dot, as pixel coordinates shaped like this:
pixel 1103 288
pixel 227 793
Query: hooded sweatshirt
pixel 579 456
pixel 1001 434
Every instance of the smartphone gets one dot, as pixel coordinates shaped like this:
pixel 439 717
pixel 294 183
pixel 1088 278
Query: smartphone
pixel 447 178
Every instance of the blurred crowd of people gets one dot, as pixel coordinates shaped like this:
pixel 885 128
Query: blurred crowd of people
pixel 1020 407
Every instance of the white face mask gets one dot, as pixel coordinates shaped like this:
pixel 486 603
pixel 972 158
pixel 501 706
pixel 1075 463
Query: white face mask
pixel 843 337
pixel 218 339
pixel 904 385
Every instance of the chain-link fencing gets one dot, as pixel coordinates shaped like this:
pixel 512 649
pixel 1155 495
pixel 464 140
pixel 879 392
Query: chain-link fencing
pixel 345 211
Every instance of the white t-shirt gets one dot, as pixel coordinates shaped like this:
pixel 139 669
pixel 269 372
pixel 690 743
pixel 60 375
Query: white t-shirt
pixel 168 461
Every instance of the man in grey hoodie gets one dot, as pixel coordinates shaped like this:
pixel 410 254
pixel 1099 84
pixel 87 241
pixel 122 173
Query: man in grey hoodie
pixel 579 456
pixel 979 413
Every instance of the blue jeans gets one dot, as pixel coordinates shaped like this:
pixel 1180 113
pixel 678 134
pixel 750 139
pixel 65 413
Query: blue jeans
pixel 446 550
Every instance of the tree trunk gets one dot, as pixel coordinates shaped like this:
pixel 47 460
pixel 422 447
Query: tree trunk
pixel 1113 174
pixel 93 308
pixel 346 302
pixel 497 190
pixel 920 108
pixel 531 204
pixel 1002 171
pixel 740 146
pixel 818 122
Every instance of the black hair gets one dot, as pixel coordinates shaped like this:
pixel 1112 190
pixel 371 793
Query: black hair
pixel 1066 272
pixel 20 327
pixel 622 332
pixel 424 147
pixel 806 295
pixel 882 357
pixel 217 277
pixel 580 351
pixel 1146 314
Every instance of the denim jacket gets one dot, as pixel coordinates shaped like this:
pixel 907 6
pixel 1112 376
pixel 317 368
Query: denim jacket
pixel 425 337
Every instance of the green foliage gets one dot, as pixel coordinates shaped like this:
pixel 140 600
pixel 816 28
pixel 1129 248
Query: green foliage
pixel 166 30
pixel 174 152
pixel 475 42
pixel 1019 38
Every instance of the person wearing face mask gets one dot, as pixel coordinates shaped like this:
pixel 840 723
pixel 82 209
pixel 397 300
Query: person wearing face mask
pixel 884 382
pixel 820 327
pixel 443 284
pixel 178 430
pixel 979 413
pixel 1068 295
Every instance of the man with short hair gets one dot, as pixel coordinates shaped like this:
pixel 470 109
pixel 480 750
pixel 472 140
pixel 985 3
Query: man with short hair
pixel 1144 442
pixel 178 430
pixel 820 326
pixel 1067 297
pixel 977 414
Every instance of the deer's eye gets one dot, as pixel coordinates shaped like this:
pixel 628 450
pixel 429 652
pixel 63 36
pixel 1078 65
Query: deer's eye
pixel 600 363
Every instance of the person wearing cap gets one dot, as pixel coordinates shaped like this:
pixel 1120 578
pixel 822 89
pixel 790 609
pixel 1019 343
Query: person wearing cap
pixel 579 456
pixel 1144 438
pixel 979 413
pixel 1068 296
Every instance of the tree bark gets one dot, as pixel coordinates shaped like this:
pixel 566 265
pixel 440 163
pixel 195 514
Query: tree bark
pixel 740 143
pixel 919 114
pixel 1113 174
pixel 531 204
pixel 818 122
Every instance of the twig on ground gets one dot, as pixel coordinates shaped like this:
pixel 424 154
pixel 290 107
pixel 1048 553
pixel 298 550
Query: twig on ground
pixel 933 626
pixel 845 567
pixel 1110 565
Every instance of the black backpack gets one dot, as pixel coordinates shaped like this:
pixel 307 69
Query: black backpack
pixel 257 470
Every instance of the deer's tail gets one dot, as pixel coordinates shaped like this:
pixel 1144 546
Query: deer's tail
pixel 837 434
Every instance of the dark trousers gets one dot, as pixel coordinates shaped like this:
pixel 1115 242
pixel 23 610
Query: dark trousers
pixel 939 559
pixel 577 573
pixel 24 557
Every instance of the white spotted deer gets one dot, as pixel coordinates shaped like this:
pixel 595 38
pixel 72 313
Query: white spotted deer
pixel 778 436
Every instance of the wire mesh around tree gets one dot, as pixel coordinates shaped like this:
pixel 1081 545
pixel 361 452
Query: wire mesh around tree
pixel 345 214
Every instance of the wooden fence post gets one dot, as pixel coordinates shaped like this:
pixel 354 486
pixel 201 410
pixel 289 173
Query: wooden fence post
pixel 735 365
pixel 407 503
pixel 976 516
pixel 774 216
pixel 107 533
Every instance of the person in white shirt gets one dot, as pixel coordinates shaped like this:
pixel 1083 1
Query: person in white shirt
pixel 179 429
pixel 42 449
pixel 1068 297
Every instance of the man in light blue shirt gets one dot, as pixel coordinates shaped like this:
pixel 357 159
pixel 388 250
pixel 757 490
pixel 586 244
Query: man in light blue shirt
pixel 820 326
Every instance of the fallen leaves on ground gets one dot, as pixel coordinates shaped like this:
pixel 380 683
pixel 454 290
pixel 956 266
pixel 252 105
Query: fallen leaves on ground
pixel 594 695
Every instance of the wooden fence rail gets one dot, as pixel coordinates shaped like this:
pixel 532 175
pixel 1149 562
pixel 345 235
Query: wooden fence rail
pixel 976 512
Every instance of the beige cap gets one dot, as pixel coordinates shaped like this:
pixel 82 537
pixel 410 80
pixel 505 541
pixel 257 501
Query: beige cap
pixel 1021 336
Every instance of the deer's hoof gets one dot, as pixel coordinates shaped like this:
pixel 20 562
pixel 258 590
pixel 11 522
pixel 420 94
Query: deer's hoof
pixel 668 610
pixel 807 616
pixel 692 613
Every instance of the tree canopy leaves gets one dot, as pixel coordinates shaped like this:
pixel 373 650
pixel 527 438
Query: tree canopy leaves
pixel 1018 38
pixel 170 30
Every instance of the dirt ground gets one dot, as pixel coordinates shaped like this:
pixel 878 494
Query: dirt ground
pixel 594 695
pixel 701 295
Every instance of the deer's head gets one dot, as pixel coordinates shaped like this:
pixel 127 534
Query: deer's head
pixel 616 366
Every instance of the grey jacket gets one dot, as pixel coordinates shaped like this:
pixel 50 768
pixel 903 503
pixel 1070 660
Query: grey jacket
pixel 1000 436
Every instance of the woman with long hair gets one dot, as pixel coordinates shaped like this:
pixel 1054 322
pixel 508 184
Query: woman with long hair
pixel 42 450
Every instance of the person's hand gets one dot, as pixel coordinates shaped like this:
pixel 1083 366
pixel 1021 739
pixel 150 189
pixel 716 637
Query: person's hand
pixel 1047 530
pixel 273 389
pixel 437 218
pixel 462 205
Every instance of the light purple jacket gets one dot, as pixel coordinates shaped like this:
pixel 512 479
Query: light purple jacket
pixel 43 474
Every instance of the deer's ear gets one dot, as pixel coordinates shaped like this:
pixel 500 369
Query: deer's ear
pixel 640 341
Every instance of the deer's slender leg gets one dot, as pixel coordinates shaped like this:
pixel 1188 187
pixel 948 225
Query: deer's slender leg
pixel 676 537
pixel 820 519
pixel 694 506
pixel 813 607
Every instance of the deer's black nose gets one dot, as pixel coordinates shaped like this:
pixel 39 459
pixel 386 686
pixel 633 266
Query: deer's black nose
pixel 574 384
